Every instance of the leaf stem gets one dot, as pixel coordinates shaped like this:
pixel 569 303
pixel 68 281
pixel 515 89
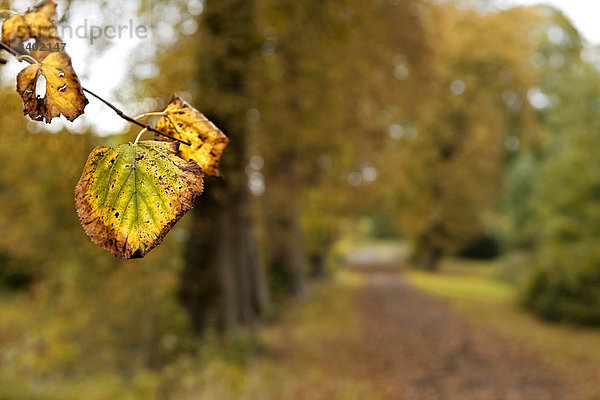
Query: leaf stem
pixel 25 57
pixel 120 113
pixel 137 139
pixel 149 114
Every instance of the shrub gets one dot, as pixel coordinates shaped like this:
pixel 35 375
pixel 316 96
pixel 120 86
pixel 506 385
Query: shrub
pixel 566 288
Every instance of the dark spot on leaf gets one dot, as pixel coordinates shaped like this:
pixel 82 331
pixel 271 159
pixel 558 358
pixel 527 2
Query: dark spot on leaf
pixel 137 254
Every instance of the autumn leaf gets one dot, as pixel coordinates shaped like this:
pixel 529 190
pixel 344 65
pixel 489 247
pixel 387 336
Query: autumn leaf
pixel 129 197
pixel 182 121
pixel 15 32
pixel 63 92
pixel 39 24
pixel 47 47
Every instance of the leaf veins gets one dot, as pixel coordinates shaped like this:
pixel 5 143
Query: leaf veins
pixel 129 197
pixel 182 121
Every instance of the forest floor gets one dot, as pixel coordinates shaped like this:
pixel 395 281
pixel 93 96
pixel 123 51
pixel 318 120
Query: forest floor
pixel 405 344
pixel 423 349
pixel 378 332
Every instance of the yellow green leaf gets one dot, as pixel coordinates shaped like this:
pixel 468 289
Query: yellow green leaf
pixel 182 121
pixel 63 92
pixel 129 197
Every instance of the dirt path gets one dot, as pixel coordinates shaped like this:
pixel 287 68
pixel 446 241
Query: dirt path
pixel 416 347
pixel 384 340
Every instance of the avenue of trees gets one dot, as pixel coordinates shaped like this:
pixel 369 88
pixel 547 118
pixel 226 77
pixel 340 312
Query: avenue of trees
pixel 441 122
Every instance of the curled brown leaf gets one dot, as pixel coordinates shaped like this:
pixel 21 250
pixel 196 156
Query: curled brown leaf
pixel 63 92
pixel 38 23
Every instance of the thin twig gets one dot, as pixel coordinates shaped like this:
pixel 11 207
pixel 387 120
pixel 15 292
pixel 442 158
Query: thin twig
pixel 132 120
pixel 27 58
pixel 12 51
pixel 120 113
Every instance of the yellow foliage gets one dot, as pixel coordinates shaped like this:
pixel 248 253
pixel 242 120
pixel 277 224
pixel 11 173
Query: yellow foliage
pixel 39 23
pixel 182 121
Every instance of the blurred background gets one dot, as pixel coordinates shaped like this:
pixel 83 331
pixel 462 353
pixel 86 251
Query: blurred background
pixel 409 209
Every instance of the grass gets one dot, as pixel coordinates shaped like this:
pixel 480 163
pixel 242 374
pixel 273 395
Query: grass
pixel 296 357
pixel 473 290
pixel 311 352
pixel 465 280
pixel 302 354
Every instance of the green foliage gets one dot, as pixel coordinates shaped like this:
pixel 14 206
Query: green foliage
pixel 515 225
pixel 552 203
pixel 484 247
pixel 567 215
pixel 570 293
pixel 449 159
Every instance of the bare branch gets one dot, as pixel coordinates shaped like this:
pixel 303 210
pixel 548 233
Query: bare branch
pixel 120 113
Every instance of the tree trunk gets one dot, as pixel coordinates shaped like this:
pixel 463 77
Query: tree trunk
pixel 428 250
pixel 222 282
pixel 287 261
pixel 431 259
pixel 319 266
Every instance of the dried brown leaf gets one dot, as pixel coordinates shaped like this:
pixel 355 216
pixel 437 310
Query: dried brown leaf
pixel 39 24
pixel 64 94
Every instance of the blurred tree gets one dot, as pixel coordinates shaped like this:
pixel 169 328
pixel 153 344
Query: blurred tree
pixel 76 308
pixel 38 221
pixel 564 104
pixel 553 206
pixel 452 154
pixel 222 281
pixel 566 213
pixel 330 84
pixel 296 96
